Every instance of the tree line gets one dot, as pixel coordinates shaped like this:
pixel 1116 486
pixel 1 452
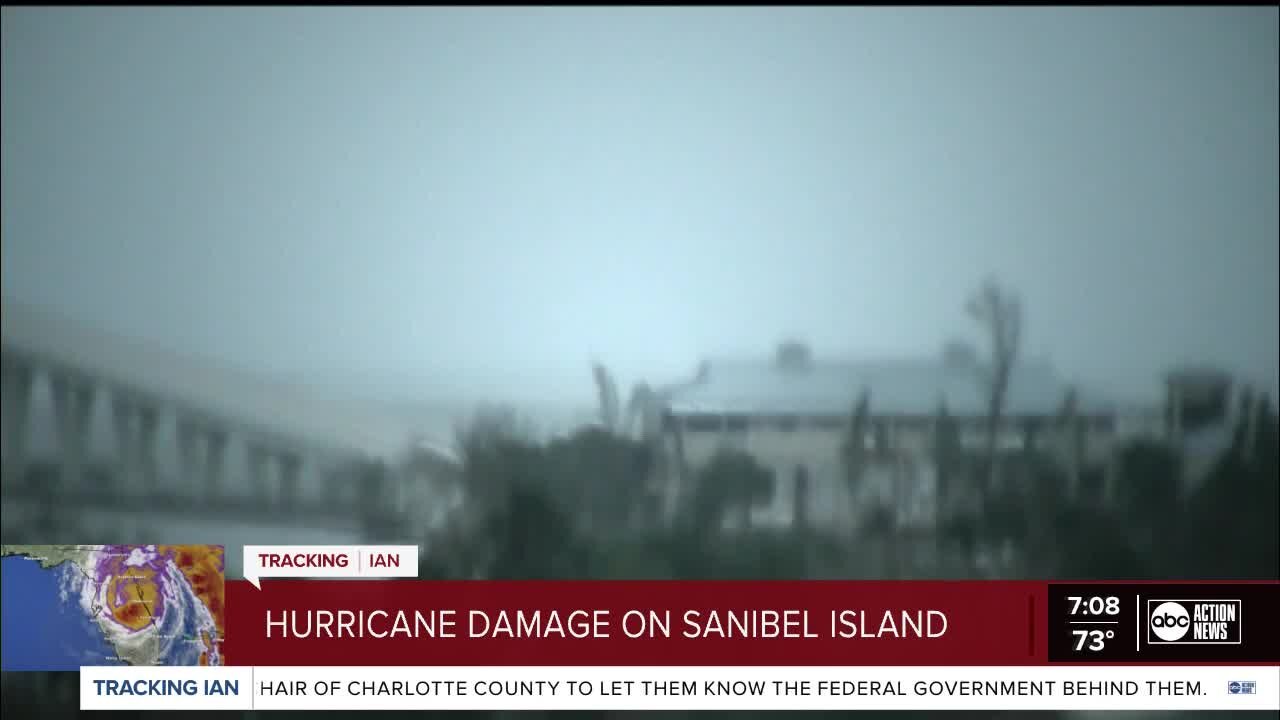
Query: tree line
pixel 584 506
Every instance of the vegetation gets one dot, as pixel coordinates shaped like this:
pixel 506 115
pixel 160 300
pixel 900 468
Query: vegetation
pixel 731 481
pixel 1226 528
pixel 854 448
pixel 582 507
pixel 537 496
pixel 999 312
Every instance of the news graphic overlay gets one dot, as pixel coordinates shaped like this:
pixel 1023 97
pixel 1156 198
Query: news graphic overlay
pixel 329 561
pixel 64 607
pixel 337 629
pixel 1190 622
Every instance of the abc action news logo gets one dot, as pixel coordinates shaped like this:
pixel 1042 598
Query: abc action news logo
pixel 1194 622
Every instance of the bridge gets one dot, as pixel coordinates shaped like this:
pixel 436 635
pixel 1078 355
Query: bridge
pixel 108 440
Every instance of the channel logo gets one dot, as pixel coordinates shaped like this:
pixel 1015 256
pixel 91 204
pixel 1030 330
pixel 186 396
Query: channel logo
pixel 1194 622
pixel 1242 687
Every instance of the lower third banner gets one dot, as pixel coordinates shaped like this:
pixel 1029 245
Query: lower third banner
pixel 682 688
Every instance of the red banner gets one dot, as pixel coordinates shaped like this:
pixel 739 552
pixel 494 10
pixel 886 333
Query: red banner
pixel 308 622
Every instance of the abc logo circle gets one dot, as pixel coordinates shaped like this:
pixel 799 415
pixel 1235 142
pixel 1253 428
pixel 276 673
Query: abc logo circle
pixel 1169 621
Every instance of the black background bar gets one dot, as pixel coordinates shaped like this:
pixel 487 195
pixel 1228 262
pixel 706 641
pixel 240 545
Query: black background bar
pixel 1201 630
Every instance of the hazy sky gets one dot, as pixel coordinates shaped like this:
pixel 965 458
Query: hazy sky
pixel 414 199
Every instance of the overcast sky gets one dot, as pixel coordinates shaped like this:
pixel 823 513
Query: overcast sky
pixel 419 199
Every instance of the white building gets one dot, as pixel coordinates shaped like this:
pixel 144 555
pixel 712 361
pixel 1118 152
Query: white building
pixel 793 413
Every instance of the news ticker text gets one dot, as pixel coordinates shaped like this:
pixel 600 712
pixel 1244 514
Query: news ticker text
pixel 683 688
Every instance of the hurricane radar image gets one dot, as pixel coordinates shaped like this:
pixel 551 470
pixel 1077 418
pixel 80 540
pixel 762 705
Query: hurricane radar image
pixel 63 607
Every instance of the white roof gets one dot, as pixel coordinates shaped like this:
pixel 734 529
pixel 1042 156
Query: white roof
pixel 903 387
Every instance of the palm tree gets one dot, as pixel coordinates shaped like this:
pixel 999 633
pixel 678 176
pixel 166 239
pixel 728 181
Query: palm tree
pixel 999 312
pixel 1072 439
pixel 607 392
pixel 854 448
pixel 946 449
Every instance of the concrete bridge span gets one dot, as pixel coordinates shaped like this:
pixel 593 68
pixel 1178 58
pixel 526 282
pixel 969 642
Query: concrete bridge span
pixel 141 444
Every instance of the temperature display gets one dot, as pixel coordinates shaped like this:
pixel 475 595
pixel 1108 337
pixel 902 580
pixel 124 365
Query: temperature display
pixel 1088 622
pixel 1092 640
